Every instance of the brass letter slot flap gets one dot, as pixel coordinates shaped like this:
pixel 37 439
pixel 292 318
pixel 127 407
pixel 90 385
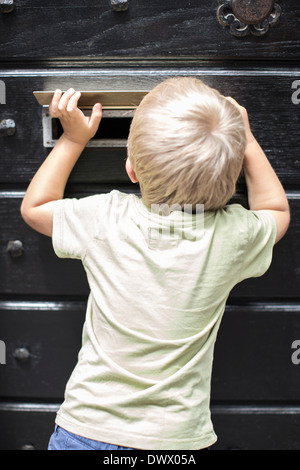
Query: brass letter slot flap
pixel 108 99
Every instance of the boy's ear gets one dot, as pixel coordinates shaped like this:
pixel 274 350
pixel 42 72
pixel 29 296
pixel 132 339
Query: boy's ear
pixel 130 171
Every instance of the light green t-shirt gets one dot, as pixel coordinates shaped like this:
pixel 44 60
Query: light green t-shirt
pixel 158 286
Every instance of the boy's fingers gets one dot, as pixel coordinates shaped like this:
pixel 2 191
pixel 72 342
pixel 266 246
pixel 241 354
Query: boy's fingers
pixel 64 100
pixel 95 117
pixel 73 101
pixel 232 100
pixel 53 108
pixel 241 109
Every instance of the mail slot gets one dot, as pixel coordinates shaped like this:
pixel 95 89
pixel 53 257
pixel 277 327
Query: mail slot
pixel 112 132
pixel 118 111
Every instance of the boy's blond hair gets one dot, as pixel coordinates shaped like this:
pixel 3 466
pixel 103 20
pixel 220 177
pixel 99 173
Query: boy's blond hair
pixel 186 145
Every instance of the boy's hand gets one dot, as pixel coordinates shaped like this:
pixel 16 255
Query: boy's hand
pixel 243 111
pixel 265 191
pixel 77 127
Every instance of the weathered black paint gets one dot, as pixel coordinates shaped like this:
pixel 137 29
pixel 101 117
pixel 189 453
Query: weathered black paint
pixel 148 28
pixel 255 385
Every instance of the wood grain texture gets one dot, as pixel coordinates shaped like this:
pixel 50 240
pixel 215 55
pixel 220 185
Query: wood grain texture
pixel 153 28
pixel 239 427
pixel 40 272
pixel 267 95
pixel 256 427
pixel 253 354
pixel 32 273
pixel 51 332
pixel 252 361
pixel 26 425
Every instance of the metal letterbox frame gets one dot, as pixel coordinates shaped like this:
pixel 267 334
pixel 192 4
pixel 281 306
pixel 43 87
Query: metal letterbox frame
pixel 115 104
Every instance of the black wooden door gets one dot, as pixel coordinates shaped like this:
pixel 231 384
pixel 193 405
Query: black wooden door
pixel 89 46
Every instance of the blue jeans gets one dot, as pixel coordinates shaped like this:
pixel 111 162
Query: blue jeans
pixel 65 440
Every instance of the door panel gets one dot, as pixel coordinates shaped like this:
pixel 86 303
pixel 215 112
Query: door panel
pixel 148 28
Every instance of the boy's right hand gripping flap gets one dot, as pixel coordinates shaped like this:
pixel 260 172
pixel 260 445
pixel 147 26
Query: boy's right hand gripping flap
pixel 77 127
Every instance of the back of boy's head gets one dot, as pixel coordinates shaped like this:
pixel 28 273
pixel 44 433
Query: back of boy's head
pixel 186 145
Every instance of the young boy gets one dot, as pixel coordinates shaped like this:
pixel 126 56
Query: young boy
pixel 159 279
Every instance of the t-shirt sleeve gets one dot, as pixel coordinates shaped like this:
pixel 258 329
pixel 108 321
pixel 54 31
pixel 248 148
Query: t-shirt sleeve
pixel 257 249
pixel 74 224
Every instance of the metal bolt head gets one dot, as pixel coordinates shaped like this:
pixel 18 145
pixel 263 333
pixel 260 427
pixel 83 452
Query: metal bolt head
pixel 7 127
pixel 15 248
pixel 21 354
pixel 119 5
pixel 252 11
pixel 6 6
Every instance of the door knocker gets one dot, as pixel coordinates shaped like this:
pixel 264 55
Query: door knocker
pixel 248 16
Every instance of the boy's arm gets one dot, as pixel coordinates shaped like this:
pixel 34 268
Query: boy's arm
pixel 265 191
pixel 264 188
pixel 49 182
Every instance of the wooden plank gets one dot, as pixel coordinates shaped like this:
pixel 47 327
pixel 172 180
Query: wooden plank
pixel 30 425
pixel 26 426
pixel 50 333
pixel 40 272
pixel 156 28
pixel 254 360
pixel 275 121
pixel 256 427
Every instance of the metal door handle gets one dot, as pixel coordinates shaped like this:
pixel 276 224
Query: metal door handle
pixel 248 16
